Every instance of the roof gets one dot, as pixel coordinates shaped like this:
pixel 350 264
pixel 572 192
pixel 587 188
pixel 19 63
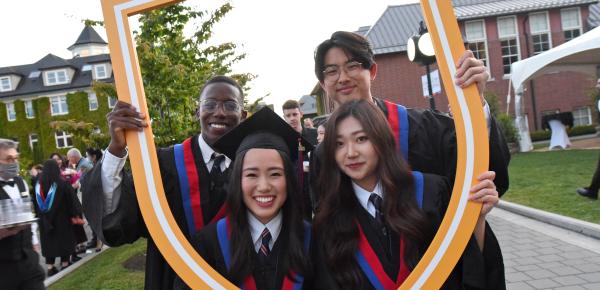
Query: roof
pixel 87 36
pixel 399 22
pixel 308 104
pixel 35 86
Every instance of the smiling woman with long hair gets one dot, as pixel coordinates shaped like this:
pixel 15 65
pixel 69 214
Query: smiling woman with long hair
pixel 376 217
pixel 266 239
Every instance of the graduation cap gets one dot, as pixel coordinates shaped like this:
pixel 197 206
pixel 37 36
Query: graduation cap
pixel 264 129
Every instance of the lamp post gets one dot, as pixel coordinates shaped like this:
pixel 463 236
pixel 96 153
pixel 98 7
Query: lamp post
pixel 420 50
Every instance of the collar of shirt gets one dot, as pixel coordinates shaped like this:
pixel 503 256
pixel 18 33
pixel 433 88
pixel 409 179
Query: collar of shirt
pixel 13 191
pixel 207 153
pixel 363 196
pixel 256 229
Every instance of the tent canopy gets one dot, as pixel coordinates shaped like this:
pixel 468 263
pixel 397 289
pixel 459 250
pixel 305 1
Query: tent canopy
pixel 582 54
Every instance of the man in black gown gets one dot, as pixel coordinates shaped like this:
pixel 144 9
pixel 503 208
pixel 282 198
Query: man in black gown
pixel 109 196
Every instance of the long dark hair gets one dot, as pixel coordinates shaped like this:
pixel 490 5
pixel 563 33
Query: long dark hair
pixel 63 161
pixel 335 221
pixel 50 174
pixel 243 254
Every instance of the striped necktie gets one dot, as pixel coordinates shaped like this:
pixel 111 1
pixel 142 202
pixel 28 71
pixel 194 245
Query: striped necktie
pixel 264 247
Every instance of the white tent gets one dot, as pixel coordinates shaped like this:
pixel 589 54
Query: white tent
pixel 581 54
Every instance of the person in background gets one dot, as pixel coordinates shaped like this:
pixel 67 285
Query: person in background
pixel 19 263
pixel 293 116
pixel 592 190
pixel 308 123
pixel 321 132
pixel 56 205
pixel 93 155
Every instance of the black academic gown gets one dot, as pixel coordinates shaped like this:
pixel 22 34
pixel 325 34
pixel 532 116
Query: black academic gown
pixel 57 236
pixel 432 148
pixel 268 276
pixel 125 224
pixel 475 269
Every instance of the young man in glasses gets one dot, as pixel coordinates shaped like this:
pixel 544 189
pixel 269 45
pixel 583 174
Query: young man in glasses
pixel 345 68
pixel 109 197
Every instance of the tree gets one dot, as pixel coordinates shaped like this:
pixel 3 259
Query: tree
pixel 174 66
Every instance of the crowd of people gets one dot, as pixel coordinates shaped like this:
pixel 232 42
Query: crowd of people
pixel 272 204
pixel 55 193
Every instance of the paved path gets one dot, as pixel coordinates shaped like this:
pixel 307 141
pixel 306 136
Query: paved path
pixel 541 256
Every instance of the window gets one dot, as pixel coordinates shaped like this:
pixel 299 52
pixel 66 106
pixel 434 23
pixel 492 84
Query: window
pixel 58 105
pixel 56 77
pixel 63 139
pixel 5 84
pixel 475 35
pixel 29 109
pixel 582 116
pixel 87 67
pixel 101 72
pixel 33 140
pixel 540 32
pixel 509 41
pixel 92 101
pixel 34 74
pixel 10 111
pixel 571 22
pixel 112 102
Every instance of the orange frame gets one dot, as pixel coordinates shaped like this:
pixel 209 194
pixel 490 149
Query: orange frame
pixel 460 218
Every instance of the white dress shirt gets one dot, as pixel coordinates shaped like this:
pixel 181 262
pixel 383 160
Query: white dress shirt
pixel 113 165
pixel 363 196
pixel 257 227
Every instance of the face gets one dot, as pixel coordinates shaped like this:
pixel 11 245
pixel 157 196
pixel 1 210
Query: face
pixel 320 133
pixel 263 183
pixel 73 160
pixel 292 117
pixel 349 85
pixel 355 154
pixel 308 123
pixel 9 156
pixel 58 160
pixel 218 120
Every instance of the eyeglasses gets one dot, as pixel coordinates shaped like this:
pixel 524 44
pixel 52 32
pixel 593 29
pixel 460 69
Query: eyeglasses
pixel 10 160
pixel 332 72
pixel 228 106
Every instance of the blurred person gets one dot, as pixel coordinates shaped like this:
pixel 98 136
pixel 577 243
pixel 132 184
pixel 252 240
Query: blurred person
pixel 293 116
pixel 308 123
pixel 93 155
pixel 19 263
pixel 592 190
pixel 321 132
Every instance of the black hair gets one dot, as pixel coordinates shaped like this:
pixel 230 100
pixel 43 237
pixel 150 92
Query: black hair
pixel 290 104
pixel 335 221
pixel 50 174
pixel 243 254
pixel 356 47
pixel 64 162
pixel 97 153
pixel 226 80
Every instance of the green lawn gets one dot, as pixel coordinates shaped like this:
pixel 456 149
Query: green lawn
pixel 106 271
pixel 547 181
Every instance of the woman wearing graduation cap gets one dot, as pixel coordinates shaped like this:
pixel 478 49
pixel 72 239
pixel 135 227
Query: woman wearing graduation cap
pixel 377 218
pixel 262 243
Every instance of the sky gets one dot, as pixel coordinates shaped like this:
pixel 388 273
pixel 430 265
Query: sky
pixel 278 37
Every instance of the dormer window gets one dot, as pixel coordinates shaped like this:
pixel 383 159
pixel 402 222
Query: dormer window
pixel 56 77
pixel 100 71
pixel 5 84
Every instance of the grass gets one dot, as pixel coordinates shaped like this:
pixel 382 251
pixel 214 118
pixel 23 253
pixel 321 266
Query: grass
pixel 547 181
pixel 106 271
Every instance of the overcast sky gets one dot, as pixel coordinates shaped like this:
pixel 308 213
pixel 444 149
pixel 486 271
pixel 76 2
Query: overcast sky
pixel 279 37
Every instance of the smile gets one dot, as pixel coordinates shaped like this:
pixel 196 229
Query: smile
pixel 218 125
pixel 264 199
pixel 354 166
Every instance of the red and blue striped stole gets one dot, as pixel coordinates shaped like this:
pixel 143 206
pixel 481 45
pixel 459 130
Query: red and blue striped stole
pixel 398 119
pixel 189 184
pixel 369 262
pixel 224 236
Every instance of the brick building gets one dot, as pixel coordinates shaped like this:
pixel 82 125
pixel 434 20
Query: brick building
pixel 55 89
pixel 499 32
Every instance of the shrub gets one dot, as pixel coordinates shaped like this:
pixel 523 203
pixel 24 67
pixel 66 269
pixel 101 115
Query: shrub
pixel 508 128
pixel 575 131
